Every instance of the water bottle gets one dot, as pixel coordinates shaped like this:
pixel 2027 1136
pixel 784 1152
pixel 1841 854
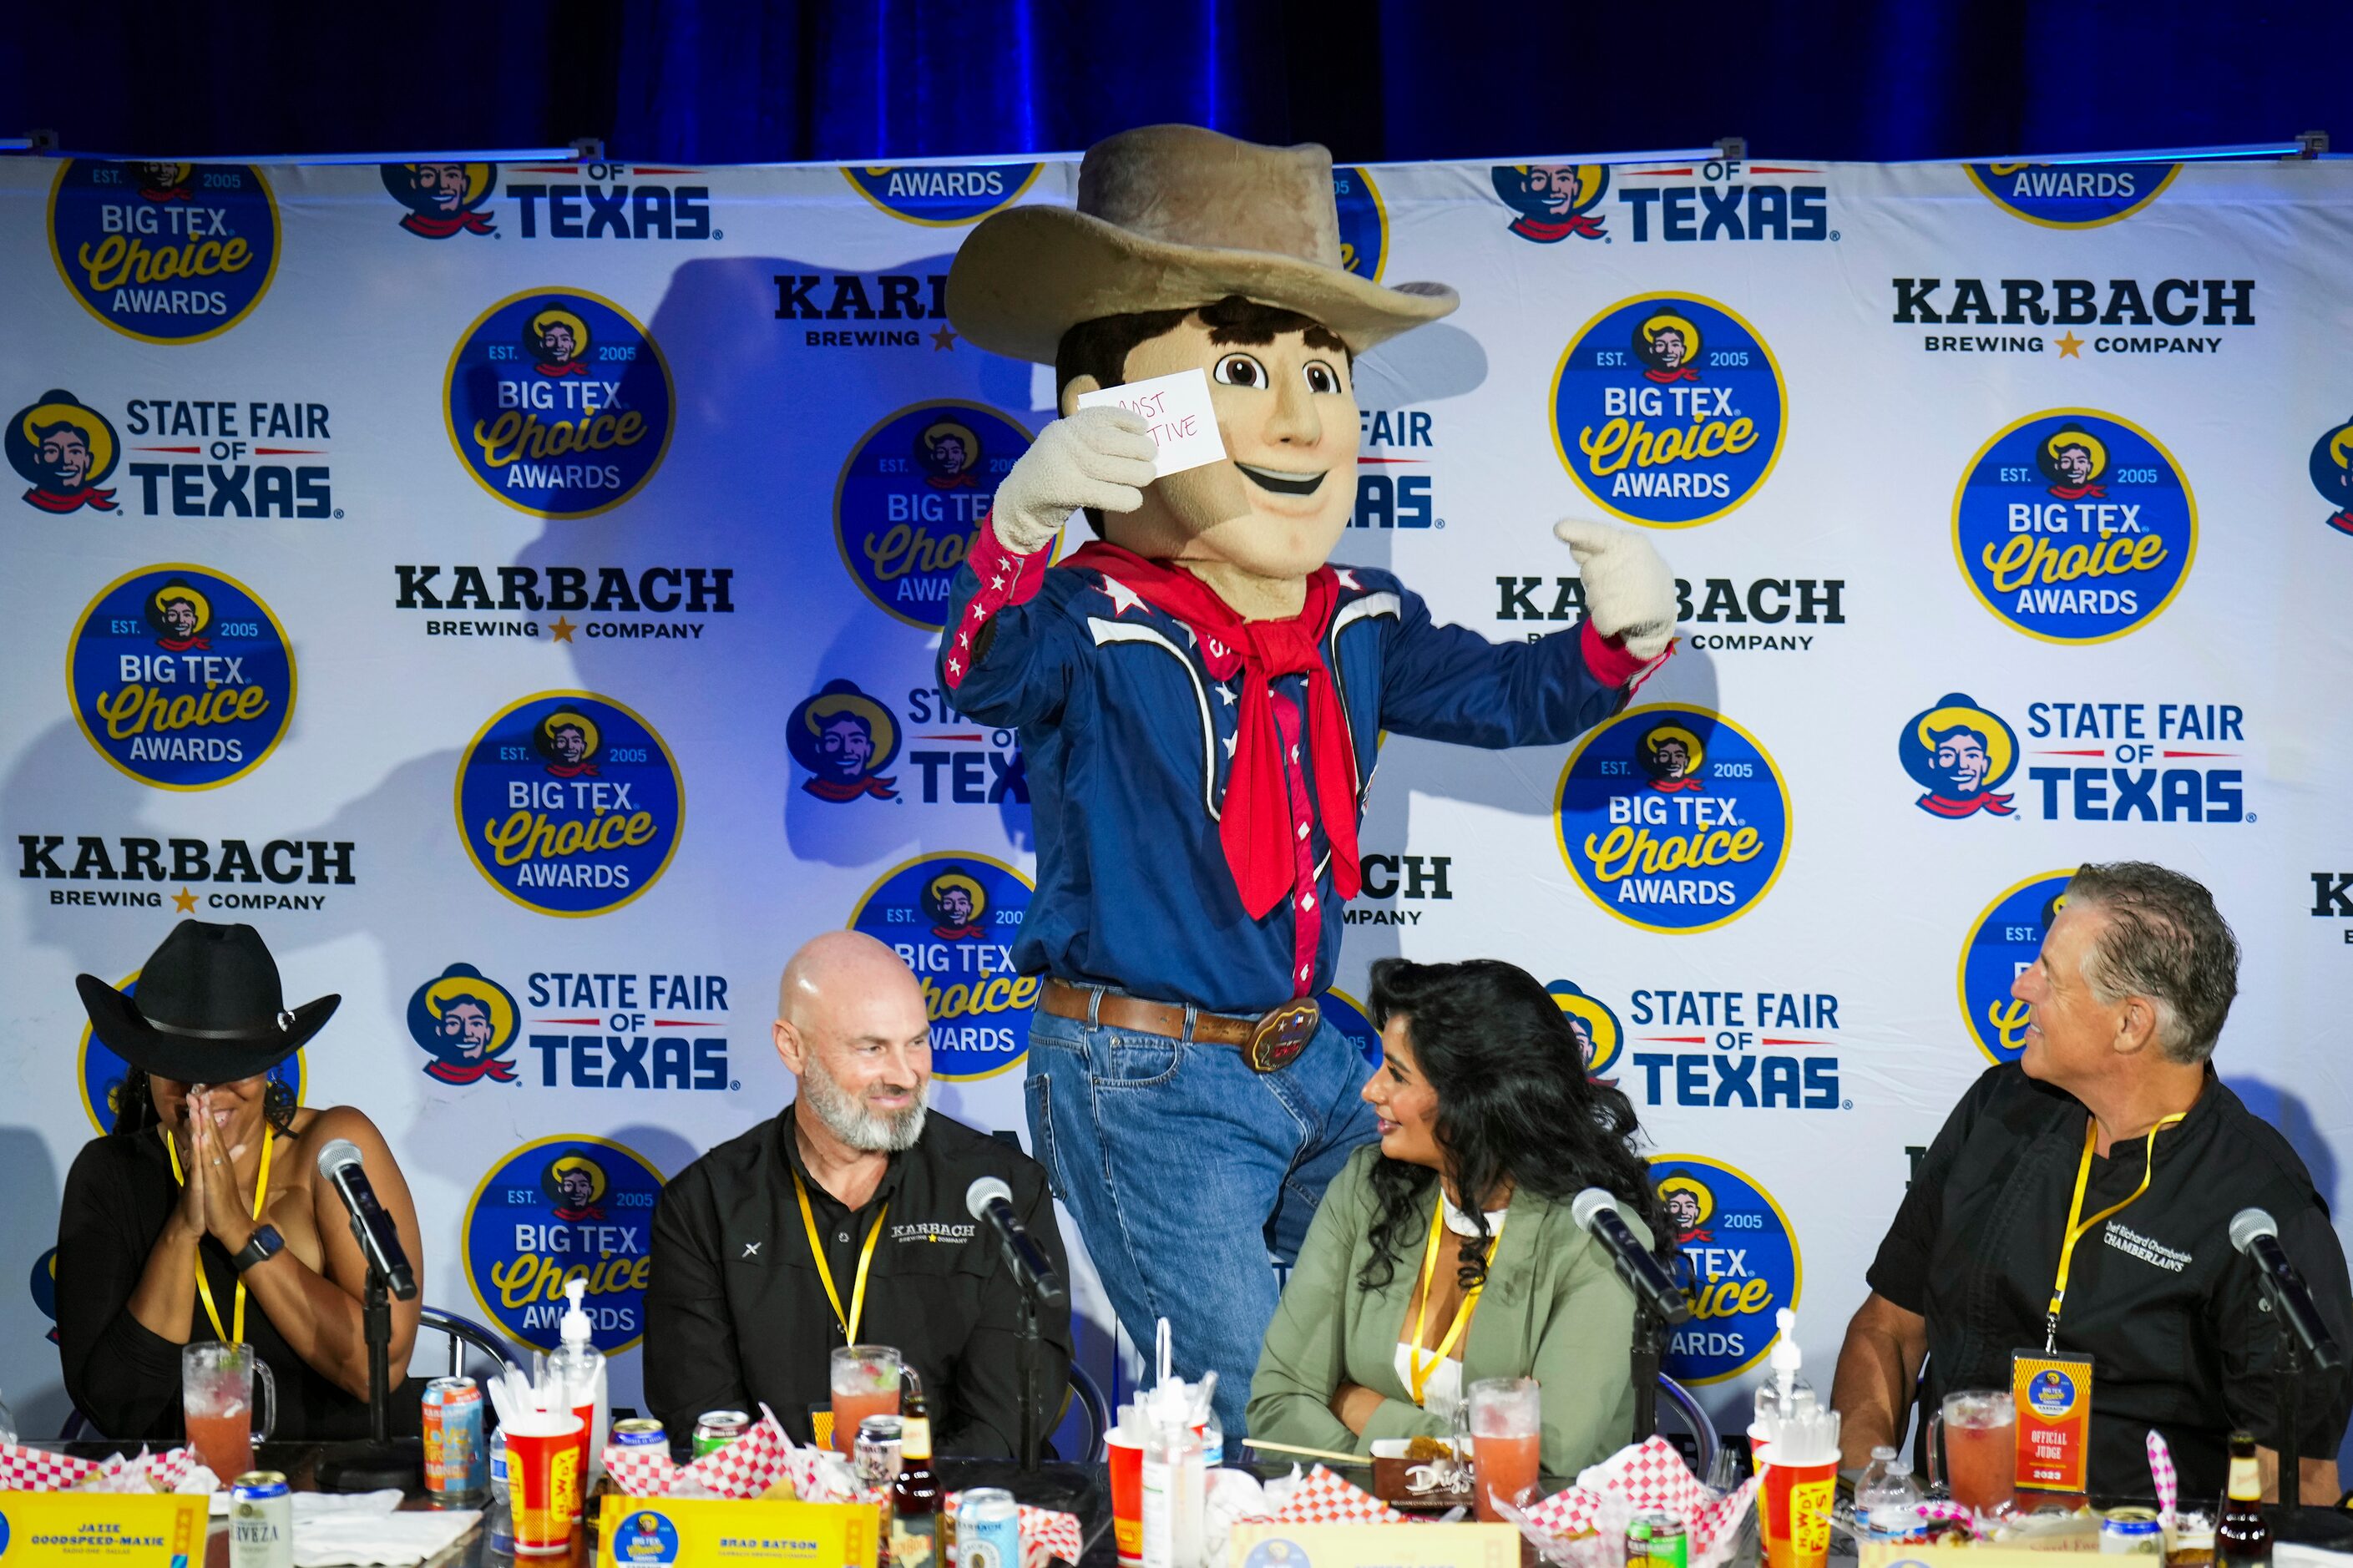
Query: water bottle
pixel 1887 1500
pixel 498 1519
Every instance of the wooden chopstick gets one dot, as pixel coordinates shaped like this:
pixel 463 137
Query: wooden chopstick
pixel 1357 1460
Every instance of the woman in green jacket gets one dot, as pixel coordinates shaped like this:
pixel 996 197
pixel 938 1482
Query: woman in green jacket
pixel 1482 1091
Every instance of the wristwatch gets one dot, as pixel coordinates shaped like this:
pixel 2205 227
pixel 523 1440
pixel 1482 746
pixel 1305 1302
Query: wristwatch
pixel 261 1248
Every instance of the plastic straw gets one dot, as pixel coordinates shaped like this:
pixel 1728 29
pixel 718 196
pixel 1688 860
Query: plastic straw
pixel 2161 1472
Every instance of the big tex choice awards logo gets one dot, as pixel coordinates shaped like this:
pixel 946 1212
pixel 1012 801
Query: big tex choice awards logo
pixel 1668 409
pixel 2073 196
pixel 167 253
pixel 941 196
pixel 1744 1260
pixel 103 1074
pixel 65 450
pixel 911 498
pixel 1673 818
pixel 560 1209
pixel 2075 526
pixel 569 803
pixel 952 918
pixel 182 677
pixel 2002 945
pixel 559 403
pixel 1364 222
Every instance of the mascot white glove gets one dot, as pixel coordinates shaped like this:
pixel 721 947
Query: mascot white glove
pixel 1098 456
pixel 1629 594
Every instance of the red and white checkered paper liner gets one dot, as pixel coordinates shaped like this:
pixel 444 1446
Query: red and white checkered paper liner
pixel 1649 1475
pixel 1323 1497
pixel 23 1469
pixel 743 1468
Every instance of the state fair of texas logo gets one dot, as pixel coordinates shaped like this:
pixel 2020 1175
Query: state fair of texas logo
pixel 559 403
pixel 952 918
pixel 2332 473
pixel 2002 945
pixel 167 253
pixel 102 1073
pixel 2073 196
pixel 1364 222
pixel 65 450
pixel 1668 409
pixel 2075 526
pixel 467 1023
pixel 182 677
pixel 1673 818
pixel 941 195
pixel 1744 1266
pixel 569 803
pixel 911 498
pixel 1960 753
pixel 555 1210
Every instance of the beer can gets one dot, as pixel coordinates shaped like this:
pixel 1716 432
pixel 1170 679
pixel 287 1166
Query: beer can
pixel 874 1452
pixel 2132 1530
pixel 260 1522
pixel 1657 1534
pixel 640 1432
pixel 717 1428
pixel 456 1459
pixel 989 1530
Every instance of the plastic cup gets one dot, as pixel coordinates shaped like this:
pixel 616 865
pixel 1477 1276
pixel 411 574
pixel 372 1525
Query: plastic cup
pixel 1506 1421
pixel 1125 1445
pixel 217 1404
pixel 544 1481
pixel 1980 1427
pixel 865 1382
pixel 1797 1522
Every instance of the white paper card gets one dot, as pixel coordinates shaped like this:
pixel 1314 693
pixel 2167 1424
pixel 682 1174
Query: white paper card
pixel 1177 408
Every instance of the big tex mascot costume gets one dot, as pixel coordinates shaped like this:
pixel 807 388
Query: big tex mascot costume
pixel 1199 696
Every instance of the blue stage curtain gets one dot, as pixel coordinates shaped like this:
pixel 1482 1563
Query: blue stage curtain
pixel 707 81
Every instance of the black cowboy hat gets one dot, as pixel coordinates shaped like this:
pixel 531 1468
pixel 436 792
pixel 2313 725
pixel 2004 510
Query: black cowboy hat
pixel 209 1008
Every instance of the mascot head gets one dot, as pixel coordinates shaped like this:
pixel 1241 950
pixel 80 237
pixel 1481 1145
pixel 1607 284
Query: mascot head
pixel 1189 249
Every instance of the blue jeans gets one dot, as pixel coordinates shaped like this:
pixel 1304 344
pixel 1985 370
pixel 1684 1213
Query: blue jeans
pixel 1190 1176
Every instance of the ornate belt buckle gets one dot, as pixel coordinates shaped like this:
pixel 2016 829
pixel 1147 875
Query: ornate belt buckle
pixel 1278 1036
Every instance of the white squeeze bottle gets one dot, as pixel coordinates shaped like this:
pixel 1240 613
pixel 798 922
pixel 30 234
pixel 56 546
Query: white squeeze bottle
pixel 578 1367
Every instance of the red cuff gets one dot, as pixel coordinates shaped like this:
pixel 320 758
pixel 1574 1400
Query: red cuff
pixel 1610 663
pixel 1005 579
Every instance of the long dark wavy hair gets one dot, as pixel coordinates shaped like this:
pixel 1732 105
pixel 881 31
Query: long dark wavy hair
pixel 134 1105
pixel 1513 1104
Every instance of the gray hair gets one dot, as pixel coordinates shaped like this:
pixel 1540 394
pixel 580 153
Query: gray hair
pixel 2165 942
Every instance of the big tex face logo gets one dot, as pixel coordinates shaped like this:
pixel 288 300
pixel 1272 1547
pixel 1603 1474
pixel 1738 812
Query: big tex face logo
pixel 2002 945
pixel 2075 526
pixel 1744 1266
pixel 65 450
pixel 181 678
pixel 2073 196
pixel 569 803
pixel 1554 201
pixel 1668 409
pixel 1598 1033
pixel 1364 222
pixel 941 196
pixel 559 403
pixel 2332 473
pixel 103 1074
pixel 556 1210
pixel 1960 754
pixel 953 918
pixel 910 499
pixel 469 1024
pixel 167 253
pixel 442 199
pixel 2111 761
pixel 1673 818
pixel 847 741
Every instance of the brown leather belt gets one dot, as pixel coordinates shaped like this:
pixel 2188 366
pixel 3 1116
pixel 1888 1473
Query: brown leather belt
pixel 1268 1042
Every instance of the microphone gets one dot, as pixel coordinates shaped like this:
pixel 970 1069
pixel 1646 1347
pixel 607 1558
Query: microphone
pixel 988 1198
pixel 339 1162
pixel 2254 1233
pixel 1595 1210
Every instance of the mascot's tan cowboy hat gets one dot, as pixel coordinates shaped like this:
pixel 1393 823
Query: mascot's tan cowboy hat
pixel 1171 216
pixel 207 1008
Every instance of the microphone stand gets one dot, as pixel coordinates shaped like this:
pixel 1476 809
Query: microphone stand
pixel 1649 1328
pixel 380 1461
pixel 1031 1436
pixel 2287 1387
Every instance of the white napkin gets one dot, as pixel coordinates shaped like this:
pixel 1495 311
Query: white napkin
pixel 326 1537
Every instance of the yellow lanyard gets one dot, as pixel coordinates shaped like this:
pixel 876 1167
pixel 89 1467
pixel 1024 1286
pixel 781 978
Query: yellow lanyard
pixel 2077 1228
pixel 203 1286
pixel 1422 1374
pixel 816 1249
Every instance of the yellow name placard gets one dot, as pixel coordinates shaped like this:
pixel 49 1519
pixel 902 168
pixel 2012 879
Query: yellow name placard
pixel 1375 1546
pixel 657 1532
pixel 112 1528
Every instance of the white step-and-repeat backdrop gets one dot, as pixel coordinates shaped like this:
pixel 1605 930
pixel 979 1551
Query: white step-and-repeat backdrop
pixel 513 589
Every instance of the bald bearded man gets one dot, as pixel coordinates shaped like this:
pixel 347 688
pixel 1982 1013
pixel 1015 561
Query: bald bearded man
pixel 842 1221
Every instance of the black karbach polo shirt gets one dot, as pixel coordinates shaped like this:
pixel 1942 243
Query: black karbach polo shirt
pixel 737 1314
pixel 2170 1313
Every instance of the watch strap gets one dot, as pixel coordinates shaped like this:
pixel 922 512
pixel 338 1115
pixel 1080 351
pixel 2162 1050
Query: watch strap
pixel 263 1246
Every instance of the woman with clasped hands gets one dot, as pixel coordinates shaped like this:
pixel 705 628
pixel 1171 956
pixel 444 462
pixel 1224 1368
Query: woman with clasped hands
pixel 1446 1254
pixel 203 1215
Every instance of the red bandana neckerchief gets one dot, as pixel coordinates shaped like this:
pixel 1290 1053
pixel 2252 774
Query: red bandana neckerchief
pixel 564 367
pixel 1664 377
pixel 1548 231
pixel 432 225
pixel 2077 492
pixel 573 770
pixel 1255 825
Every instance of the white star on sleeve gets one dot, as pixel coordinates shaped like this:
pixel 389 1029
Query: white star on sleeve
pixel 1122 597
